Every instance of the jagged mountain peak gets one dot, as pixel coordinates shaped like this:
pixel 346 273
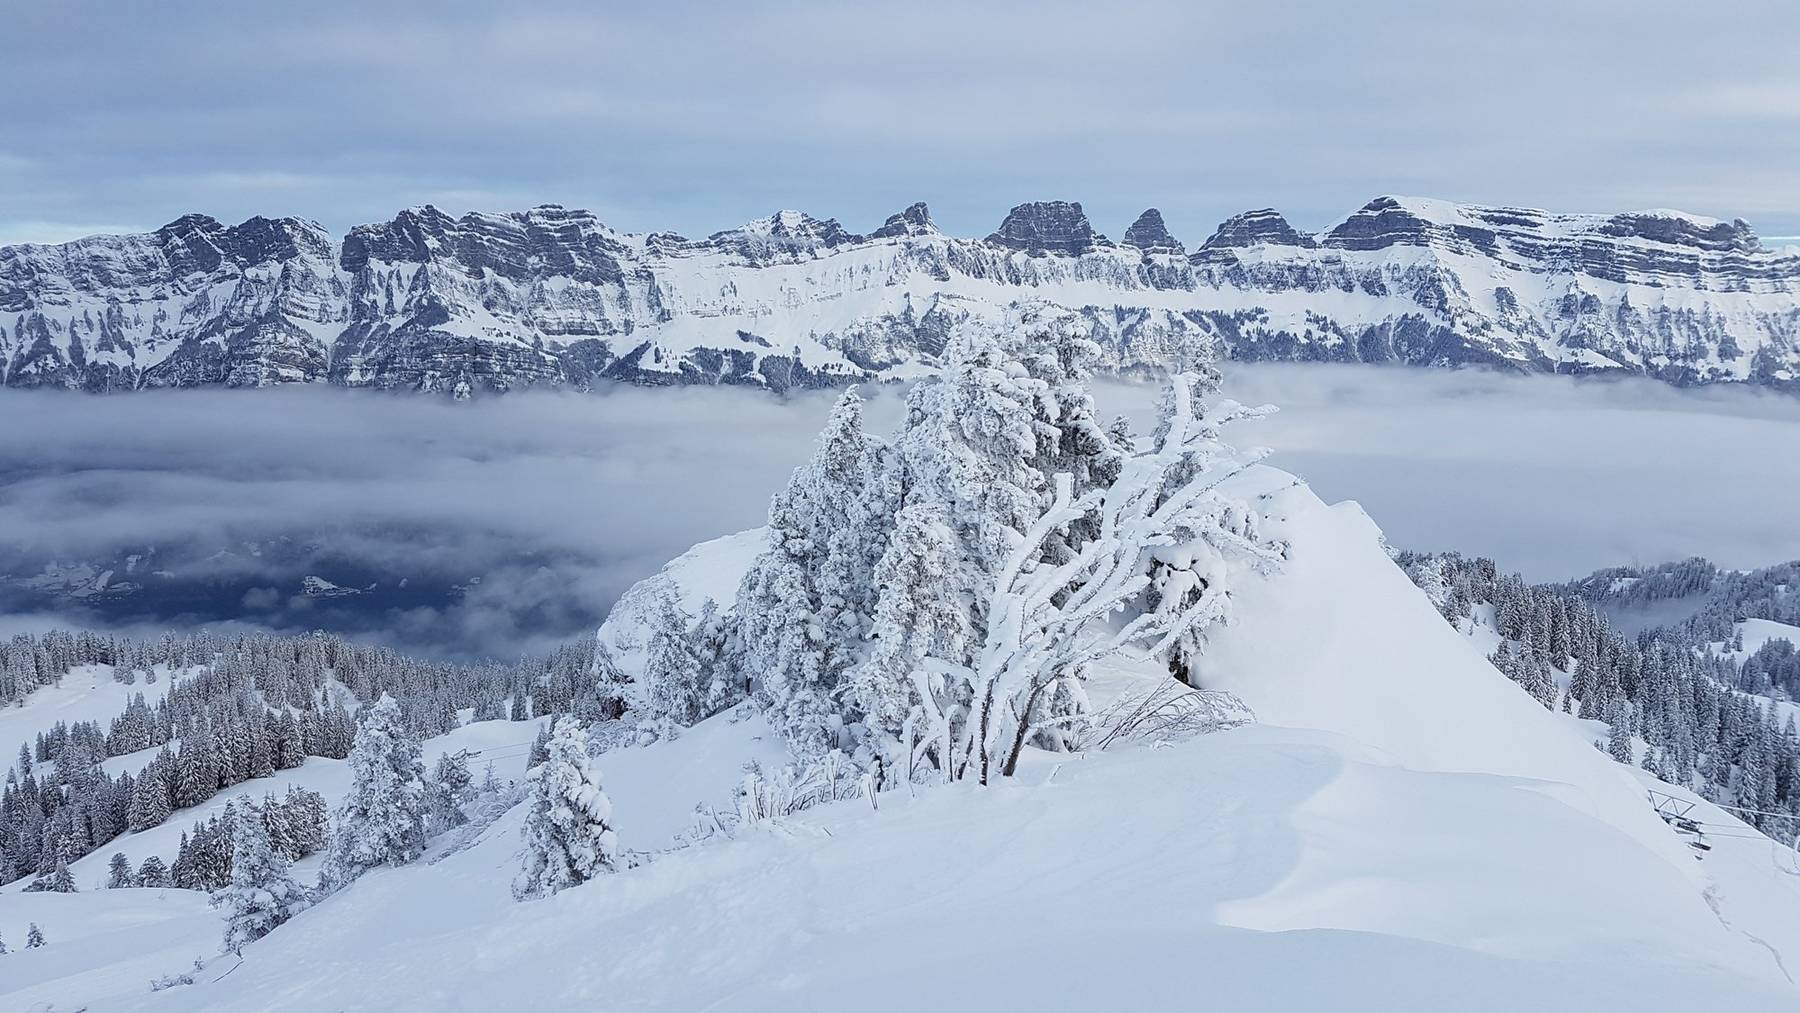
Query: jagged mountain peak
pixel 1253 228
pixel 914 221
pixel 1149 234
pixel 786 232
pixel 190 223
pixel 1047 227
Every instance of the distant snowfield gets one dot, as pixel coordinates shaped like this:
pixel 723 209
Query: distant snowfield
pixel 559 502
pixel 1758 632
pixel 1404 829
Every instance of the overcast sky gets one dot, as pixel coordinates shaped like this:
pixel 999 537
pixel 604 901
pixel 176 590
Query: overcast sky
pixel 695 117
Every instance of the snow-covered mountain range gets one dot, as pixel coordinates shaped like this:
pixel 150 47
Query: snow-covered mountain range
pixel 552 296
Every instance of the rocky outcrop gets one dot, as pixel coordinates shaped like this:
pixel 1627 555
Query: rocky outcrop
pixel 1256 228
pixel 553 297
pixel 914 221
pixel 1047 227
pixel 1150 235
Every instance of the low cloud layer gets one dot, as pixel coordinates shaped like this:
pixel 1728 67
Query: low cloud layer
pixel 541 507
pixel 557 502
pixel 1551 476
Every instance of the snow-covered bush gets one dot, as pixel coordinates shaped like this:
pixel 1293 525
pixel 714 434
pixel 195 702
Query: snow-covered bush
pixel 1048 622
pixel 568 832
pixel 1165 712
pixel 169 981
pixel 793 787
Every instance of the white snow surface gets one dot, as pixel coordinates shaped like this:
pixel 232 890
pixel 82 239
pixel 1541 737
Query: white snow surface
pixel 1758 632
pixel 1404 829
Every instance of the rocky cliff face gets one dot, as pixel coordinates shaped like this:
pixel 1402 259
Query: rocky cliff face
pixel 551 296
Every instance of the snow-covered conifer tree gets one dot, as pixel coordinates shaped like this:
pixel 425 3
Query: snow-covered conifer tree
pixel 61 881
pixel 610 684
pixel 34 937
pixel 846 515
pixel 382 820
pixel 914 619
pixel 118 872
pixel 149 805
pixel 674 685
pixel 568 831
pixel 261 894
pixel 806 606
pixel 1618 742
pixel 450 788
pixel 153 873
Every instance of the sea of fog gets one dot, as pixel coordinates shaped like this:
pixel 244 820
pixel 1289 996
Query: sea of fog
pixel 510 524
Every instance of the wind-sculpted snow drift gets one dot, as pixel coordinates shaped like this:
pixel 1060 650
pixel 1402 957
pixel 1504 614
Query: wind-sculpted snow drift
pixel 552 296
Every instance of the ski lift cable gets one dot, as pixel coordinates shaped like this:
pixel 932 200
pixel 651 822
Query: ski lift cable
pixel 1654 794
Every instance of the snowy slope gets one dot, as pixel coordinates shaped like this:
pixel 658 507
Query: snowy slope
pixel 1758 632
pixel 87 693
pixel 709 570
pixel 1403 830
pixel 505 743
pixel 552 296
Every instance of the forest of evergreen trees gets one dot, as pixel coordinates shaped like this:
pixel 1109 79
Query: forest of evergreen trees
pixel 1693 709
pixel 236 708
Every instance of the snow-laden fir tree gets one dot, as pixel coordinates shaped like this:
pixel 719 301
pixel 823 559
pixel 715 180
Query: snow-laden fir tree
pixel 970 444
pixel 118 872
pixel 807 603
pixel 1618 742
pixel 568 831
pixel 914 618
pixel 713 637
pixel 261 894
pixel 153 873
pixel 973 462
pixel 674 682
pixel 149 804
pixel 846 516
pixel 382 819
pixel 61 881
pixel 610 685
pixel 450 788
pixel 34 937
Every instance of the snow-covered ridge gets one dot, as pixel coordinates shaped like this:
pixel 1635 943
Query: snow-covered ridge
pixel 552 296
